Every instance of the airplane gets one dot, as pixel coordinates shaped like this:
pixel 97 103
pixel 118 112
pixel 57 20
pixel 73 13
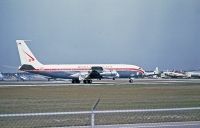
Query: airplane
pixel 174 74
pixel 193 74
pixel 1 76
pixel 155 73
pixel 20 77
pixel 75 72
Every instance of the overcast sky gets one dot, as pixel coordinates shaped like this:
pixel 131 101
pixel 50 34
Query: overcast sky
pixel 147 33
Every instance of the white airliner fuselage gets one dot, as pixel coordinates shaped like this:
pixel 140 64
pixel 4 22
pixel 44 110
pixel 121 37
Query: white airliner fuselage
pixel 76 72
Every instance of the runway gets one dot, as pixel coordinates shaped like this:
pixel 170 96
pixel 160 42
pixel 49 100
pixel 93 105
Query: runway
pixel 190 124
pixel 99 82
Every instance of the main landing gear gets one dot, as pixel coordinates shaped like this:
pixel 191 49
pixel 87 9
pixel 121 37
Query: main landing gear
pixel 87 81
pixel 75 81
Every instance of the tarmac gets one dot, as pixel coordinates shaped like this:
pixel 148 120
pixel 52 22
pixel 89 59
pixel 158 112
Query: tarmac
pixel 99 82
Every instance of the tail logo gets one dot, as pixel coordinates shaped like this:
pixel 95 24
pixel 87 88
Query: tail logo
pixel 30 57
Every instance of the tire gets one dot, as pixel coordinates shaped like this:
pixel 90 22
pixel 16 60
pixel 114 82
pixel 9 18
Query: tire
pixel 85 81
pixel 130 81
pixel 89 81
pixel 77 81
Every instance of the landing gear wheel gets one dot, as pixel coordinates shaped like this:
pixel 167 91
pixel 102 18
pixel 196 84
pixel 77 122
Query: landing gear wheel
pixel 113 78
pixel 87 81
pixel 75 81
pixel 131 81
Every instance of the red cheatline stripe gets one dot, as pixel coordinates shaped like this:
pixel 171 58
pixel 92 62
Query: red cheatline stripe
pixel 86 69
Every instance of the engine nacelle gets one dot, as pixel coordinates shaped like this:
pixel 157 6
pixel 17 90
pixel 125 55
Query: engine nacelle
pixel 112 74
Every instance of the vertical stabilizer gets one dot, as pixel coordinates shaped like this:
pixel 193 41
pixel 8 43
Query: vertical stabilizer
pixel 156 71
pixel 25 54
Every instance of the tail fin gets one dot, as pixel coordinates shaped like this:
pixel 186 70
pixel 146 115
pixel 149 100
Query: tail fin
pixel 156 71
pixel 25 54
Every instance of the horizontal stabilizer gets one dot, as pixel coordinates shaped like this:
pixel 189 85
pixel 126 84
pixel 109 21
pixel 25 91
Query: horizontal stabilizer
pixel 25 67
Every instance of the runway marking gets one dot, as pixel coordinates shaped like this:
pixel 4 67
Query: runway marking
pixel 96 112
pixel 106 82
pixel 55 85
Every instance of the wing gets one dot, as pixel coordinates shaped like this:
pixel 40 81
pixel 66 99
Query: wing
pixel 96 72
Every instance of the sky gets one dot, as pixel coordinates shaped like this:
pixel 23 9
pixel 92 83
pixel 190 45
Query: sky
pixel 147 33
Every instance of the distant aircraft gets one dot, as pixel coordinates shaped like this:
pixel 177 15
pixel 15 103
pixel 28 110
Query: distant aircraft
pixel 76 72
pixel 20 77
pixel 193 74
pixel 155 73
pixel 174 74
pixel 1 76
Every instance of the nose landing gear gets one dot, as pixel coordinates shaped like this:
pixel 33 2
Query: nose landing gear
pixel 130 80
